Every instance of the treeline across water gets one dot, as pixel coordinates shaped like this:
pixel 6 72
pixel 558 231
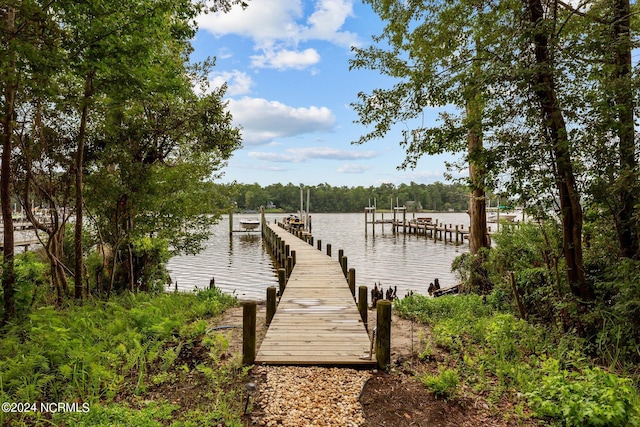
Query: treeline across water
pixel 327 198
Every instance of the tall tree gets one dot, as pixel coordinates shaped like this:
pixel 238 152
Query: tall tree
pixel 554 125
pixel 9 76
pixel 626 224
pixel 435 52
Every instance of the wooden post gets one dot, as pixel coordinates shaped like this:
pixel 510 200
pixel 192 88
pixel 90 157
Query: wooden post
pixel 366 218
pixel 230 223
pixel 276 251
pixel 404 220
pixel 383 340
pixel 319 244
pixel 340 255
pixel 289 265
pixel 271 303
pixel 393 226
pixel 329 249
pixel 345 271
pixel 212 283
pixel 311 240
pixel 249 333
pixel 282 280
pixel 362 305
pixel 283 258
pixel 287 251
pixel 293 257
pixel 457 234
pixel 352 280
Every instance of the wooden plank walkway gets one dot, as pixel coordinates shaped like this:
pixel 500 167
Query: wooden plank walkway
pixel 317 321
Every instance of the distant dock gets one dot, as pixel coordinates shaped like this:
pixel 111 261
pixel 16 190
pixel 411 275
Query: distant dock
pixel 422 225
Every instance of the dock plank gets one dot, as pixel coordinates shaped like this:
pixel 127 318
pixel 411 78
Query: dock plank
pixel 317 321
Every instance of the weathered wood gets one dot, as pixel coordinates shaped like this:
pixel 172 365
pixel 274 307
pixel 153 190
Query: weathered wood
pixel 289 265
pixel 383 339
pixel 271 304
pixel 317 321
pixel 351 279
pixel 329 249
pixel 344 264
pixel 282 280
pixel 249 333
pixel 363 304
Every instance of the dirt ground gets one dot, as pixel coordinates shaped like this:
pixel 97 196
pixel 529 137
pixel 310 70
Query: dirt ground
pixel 396 398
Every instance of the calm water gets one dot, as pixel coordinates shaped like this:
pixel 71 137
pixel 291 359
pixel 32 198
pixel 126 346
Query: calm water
pixel 242 266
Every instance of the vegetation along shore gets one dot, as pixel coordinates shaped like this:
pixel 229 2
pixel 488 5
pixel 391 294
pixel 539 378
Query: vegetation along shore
pixel 113 148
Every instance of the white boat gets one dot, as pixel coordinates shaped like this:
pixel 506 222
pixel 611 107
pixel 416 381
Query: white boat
pixel 509 217
pixel 250 224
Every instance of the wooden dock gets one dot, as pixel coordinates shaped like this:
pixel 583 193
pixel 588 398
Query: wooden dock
pixel 316 321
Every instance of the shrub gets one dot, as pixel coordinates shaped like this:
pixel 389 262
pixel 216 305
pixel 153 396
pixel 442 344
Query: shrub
pixel 591 397
pixel 444 384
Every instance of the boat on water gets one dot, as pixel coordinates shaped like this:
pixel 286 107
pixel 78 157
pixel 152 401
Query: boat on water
pixel 250 224
pixel 293 222
pixel 514 216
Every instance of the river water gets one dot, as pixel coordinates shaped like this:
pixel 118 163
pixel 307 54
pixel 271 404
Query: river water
pixel 242 266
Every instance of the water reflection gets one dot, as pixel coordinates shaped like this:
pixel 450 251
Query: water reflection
pixel 407 261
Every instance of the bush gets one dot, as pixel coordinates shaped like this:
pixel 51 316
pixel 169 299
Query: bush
pixel 591 397
pixel 85 352
pixel 444 384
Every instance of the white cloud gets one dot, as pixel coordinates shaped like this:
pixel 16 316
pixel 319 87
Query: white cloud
pixel 298 155
pixel 262 20
pixel 263 120
pixel 353 168
pixel 326 21
pixel 284 59
pixel 238 82
pixel 274 157
pixel 277 27
pixel 331 153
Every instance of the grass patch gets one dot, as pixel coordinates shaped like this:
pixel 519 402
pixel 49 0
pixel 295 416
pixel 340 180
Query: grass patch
pixel 502 357
pixel 122 357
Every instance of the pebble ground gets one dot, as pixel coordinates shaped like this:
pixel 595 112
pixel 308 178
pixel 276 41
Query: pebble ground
pixel 310 396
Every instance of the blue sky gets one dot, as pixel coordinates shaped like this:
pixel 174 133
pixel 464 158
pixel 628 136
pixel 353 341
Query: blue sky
pixel 286 64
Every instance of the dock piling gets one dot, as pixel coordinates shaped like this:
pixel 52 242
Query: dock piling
pixel 271 303
pixel 352 280
pixel 345 270
pixel 383 341
pixel 362 305
pixel 249 333
pixel 282 280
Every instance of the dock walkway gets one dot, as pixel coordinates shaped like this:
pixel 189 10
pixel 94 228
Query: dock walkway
pixel 316 321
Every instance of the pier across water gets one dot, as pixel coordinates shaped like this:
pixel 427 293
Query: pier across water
pixel 317 321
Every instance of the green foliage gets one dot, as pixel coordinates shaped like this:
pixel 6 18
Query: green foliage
pixel 590 397
pixel 148 414
pixel 500 355
pixel 444 384
pixel 92 352
pixel 30 274
pixel 432 310
pixel 327 198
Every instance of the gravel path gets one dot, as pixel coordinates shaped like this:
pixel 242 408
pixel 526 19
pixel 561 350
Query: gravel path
pixel 309 396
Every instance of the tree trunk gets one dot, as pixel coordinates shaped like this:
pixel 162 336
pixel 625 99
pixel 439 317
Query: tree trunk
pixel 6 180
pixel 478 237
pixel 627 181
pixel 79 164
pixel 556 132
